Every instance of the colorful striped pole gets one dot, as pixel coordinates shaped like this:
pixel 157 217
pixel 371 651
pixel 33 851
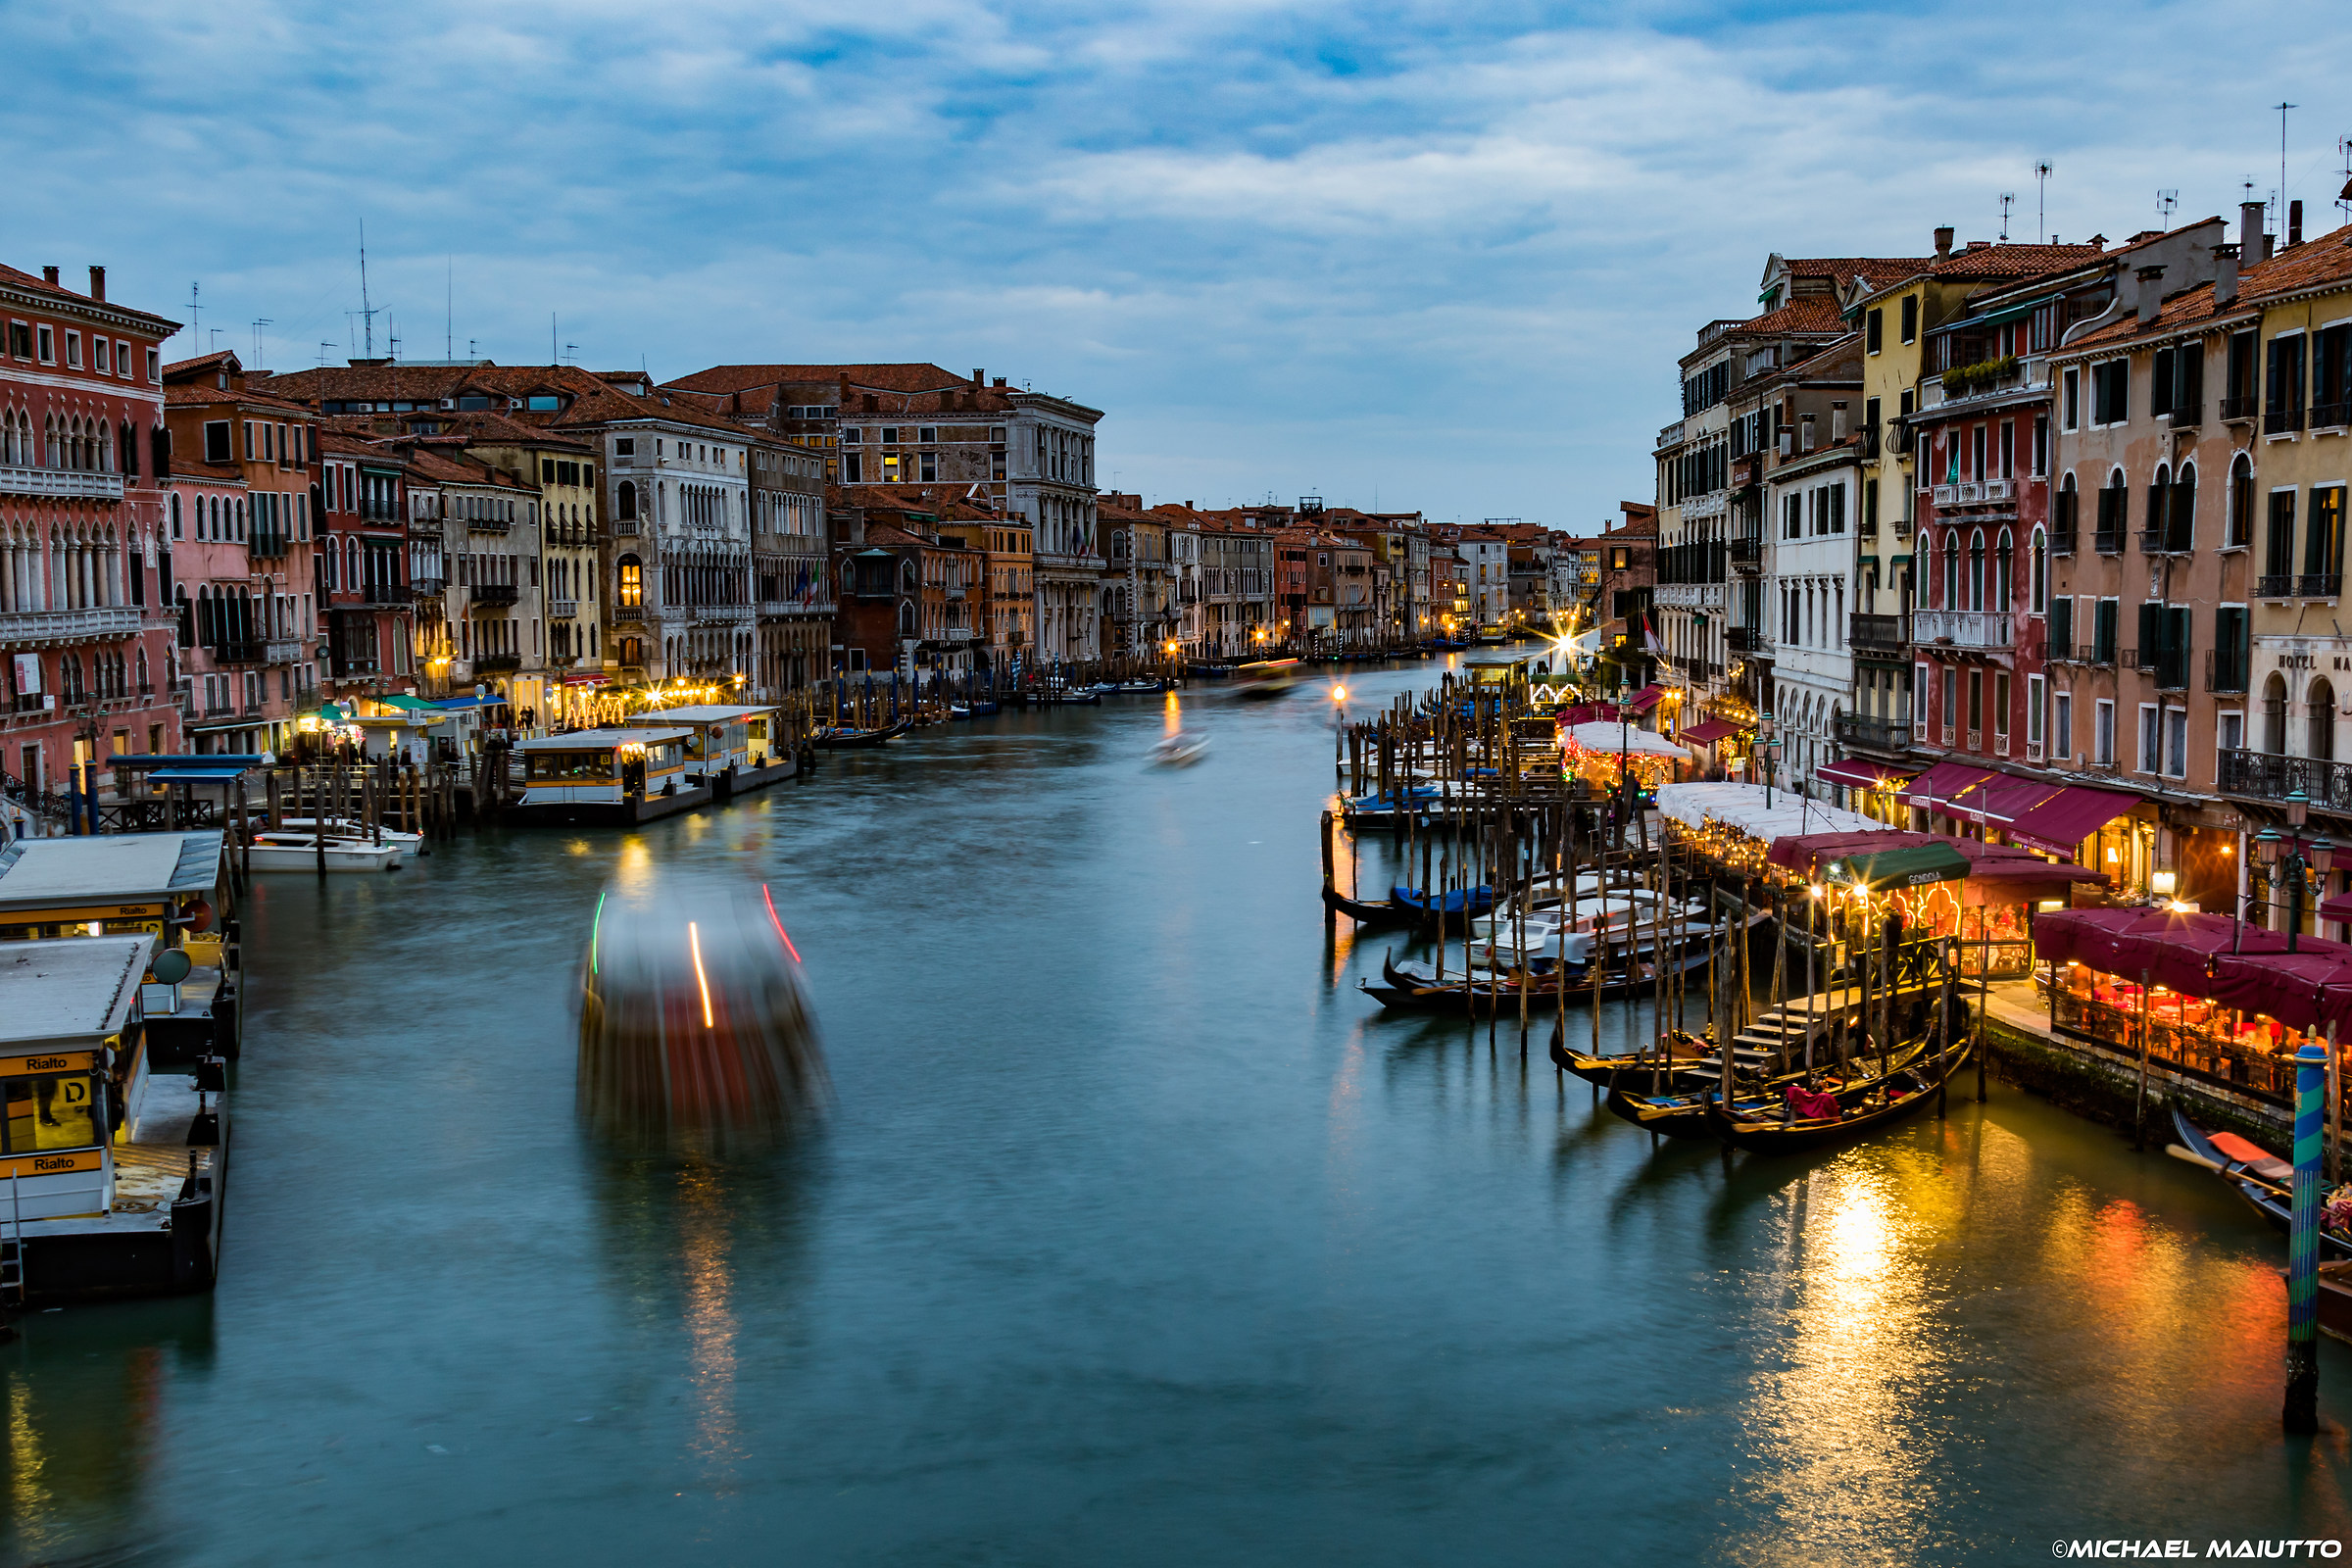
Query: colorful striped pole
pixel 2302 1412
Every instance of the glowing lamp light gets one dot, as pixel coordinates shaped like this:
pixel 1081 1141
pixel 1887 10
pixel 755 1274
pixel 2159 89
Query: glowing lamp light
pixel 2164 883
pixel 1339 694
pixel 2322 854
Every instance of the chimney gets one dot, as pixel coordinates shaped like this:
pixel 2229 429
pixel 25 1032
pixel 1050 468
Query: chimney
pixel 2151 292
pixel 1805 437
pixel 979 378
pixel 49 275
pixel 2294 222
pixel 1836 420
pixel 98 273
pixel 1943 244
pixel 1000 383
pixel 2225 274
pixel 2253 246
pixel 844 400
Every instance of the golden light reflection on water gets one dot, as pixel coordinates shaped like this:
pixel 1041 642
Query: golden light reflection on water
pixel 703 1238
pixel 28 1497
pixel 1172 714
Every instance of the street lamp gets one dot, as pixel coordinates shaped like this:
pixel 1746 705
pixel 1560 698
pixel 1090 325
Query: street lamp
pixel 1763 750
pixel 2286 860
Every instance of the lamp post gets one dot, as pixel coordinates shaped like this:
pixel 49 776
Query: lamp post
pixel 2286 859
pixel 1763 750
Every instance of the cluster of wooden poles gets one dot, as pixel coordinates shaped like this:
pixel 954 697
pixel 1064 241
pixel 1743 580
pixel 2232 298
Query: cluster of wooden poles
pixel 358 799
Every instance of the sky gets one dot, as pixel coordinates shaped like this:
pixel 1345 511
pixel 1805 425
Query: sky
pixel 1415 257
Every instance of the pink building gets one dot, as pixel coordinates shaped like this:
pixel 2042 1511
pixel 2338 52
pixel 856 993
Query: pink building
pixel 86 636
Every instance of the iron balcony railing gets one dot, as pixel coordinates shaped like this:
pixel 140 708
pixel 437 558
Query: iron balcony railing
pixel 495 664
pixel 2281 422
pixel 493 593
pixel 2187 416
pixel 2330 416
pixel 249 653
pixel 2270 776
pixel 1747 555
pixel 1873 734
pixel 1878 633
pixel 2061 540
pixel 2234 409
pixel 2225 670
pixel 1964 628
pixel 1745 639
pixel 2300 586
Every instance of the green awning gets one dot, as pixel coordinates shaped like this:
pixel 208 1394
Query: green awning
pixel 332 713
pixel 1894 870
pixel 413 704
pixel 2017 313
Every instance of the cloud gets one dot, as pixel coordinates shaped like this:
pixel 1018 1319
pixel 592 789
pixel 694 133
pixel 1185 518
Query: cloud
pixel 1451 250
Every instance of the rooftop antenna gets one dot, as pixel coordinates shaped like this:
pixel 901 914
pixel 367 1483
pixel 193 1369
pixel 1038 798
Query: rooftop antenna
pixel 2166 200
pixel 259 322
pixel 2008 200
pixel 323 347
pixel 2282 109
pixel 367 310
pixel 2343 198
pixel 216 331
pixel 195 316
pixel 470 352
pixel 551 337
pixel 2042 200
pixel 449 294
pixel 572 354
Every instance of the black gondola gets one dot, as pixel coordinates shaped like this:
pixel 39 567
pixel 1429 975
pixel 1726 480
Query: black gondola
pixel 1608 1071
pixel 1684 1113
pixel 1863 1109
pixel 1405 991
pixel 2260 1178
pixel 1370 911
pixel 842 740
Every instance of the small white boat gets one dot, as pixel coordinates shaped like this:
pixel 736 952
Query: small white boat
pixel 409 844
pixel 284 851
pixel 1180 750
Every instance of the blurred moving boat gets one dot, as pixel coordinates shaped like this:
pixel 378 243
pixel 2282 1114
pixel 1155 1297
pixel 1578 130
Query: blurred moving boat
pixel 288 850
pixel 1267 678
pixel 1180 750
pixel 841 740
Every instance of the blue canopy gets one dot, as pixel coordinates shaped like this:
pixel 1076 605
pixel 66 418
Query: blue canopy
pixel 454 703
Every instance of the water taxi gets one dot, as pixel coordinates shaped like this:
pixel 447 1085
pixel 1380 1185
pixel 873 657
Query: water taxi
pixel 288 849
pixel 731 748
pixel 607 775
pixel 1267 678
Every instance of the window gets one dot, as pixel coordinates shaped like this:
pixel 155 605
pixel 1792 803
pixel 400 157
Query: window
pixel 74 351
pixel 48 336
pixel 1951 699
pixel 2062 726
pixel 2176 743
pixel 2324 533
pixel 101 351
pixel 2041 446
pixel 2230 732
pixel 1910 318
pixel 2102 634
pixel 2062 627
pixel 2232 660
pixel 2279 558
pixel 2040 569
pixel 53 1110
pixel 215 442
pixel 1874 331
pixel 2072 397
pixel 631 590
pixel 19 339
pixel 2282 391
pixel 2111 392
pixel 543 401
pixel 2034 710
pixel 2102 738
pixel 2000 704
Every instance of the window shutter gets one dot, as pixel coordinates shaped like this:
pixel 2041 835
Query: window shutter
pixel 2192 393
pixel 2062 628
pixel 2160 384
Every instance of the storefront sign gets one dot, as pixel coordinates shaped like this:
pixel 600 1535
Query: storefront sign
pixel 64 1161
pixel 95 912
pixel 54 1062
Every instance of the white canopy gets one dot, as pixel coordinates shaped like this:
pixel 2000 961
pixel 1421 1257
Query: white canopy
pixel 1602 735
pixel 1741 807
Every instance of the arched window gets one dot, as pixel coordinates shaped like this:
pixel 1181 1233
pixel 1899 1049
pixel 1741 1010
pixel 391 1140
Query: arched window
pixel 631 590
pixel 2274 714
pixel 2113 498
pixel 2159 487
pixel 176 514
pixel 2181 511
pixel 1952 597
pixel 1975 569
pixel 2240 527
pixel 2041 569
pixel 906 618
pixel 906 575
pixel 2320 699
pixel 2002 557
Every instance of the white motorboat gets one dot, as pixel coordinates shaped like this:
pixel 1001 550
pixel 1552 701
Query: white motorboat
pixel 1180 750
pixel 287 850
pixel 409 844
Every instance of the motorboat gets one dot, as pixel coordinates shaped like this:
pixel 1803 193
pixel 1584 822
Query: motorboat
pixel 411 844
pixel 287 850
pixel 1180 750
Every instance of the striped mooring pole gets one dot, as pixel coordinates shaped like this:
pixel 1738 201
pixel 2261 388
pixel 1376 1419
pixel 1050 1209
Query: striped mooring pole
pixel 2302 1412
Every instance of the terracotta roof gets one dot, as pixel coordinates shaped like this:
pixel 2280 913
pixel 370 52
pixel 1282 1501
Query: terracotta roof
pixel 910 378
pixel 34 283
pixel 594 401
pixel 206 395
pixel 2313 264
pixel 208 472
pixel 1807 313
pixel 1845 268
pixel 1987 263
pixel 228 357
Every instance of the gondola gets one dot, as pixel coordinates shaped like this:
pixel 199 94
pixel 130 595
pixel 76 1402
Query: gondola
pixel 1455 906
pixel 1863 1109
pixel 1404 990
pixel 1686 1052
pixel 1684 1113
pixel 2260 1178
pixel 839 740
pixel 1369 911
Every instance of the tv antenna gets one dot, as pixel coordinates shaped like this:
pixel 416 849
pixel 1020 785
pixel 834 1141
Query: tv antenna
pixel 2008 200
pixel 195 314
pixel 259 322
pixel 2343 197
pixel 2041 193
pixel 2166 200
pixel 2282 109
pixel 323 348
pixel 365 312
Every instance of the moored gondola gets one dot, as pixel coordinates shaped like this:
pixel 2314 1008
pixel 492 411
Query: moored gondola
pixel 1685 1052
pixel 839 740
pixel 1863 1109
pixel 2264 1180
pixel 1369 911
pixel 1683 1114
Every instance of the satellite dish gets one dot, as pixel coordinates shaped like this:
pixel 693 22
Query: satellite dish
pixel 172 966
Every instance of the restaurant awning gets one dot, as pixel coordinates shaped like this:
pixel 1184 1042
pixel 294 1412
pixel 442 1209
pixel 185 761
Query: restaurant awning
pixel 1805 851
pixel 1648 698
pixel 1943 782
pixel 2061 822
pixel 1612 739
pixel 1915 866
pixel 2339 907
pixel 1706 732
pixel 1857 773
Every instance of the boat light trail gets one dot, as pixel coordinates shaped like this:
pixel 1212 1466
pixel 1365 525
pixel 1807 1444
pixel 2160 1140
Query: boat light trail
pixel 694 940
pixel 770 899
pixel 596 931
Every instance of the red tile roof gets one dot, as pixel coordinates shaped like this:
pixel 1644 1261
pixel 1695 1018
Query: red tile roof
pixel 2313 264
pixel 1991 262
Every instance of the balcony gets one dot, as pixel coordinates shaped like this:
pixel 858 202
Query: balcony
pixel 239 653
pixel 2061 540
pixel 2083 654
pixel 426 587
pixel 268 544
pixel 497 664
pixel 46 627
pixel 383 595
pixel 1878 634
pixel 2301 585
pixel 283 651
pixel 2281 422
pixel 563 608
pixel 1695 669
pixel 2238 409
pixel 2225 670
pixel 1748 555
pixel 2000 490
pixel 1964 628
pixel 2187 419
pixel 1746 640
pixel 493 594
pixel 64 483
pixel 2330 416
pixel 2268 777
pixel 1861 730
pixel 2108 541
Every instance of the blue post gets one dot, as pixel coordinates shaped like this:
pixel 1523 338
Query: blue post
pixel 2302 1413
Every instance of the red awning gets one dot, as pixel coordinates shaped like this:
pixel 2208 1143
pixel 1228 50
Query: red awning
pixel 1706 732
pixel 2339 907
pixel 1862 775
pixel 1648 698
pixel 2060 823
pixel 1943 782
pixel 1804 852
pixel 2172 950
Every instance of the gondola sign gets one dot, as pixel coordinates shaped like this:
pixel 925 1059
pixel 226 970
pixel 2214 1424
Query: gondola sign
pixel 1918 866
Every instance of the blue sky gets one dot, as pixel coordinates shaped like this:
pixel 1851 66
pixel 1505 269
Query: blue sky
pixel 1426 256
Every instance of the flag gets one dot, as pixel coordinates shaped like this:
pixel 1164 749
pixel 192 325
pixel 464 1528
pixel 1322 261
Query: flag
pixel 1649 635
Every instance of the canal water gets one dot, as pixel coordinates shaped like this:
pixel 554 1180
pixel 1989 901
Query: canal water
pixel 1134 1234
